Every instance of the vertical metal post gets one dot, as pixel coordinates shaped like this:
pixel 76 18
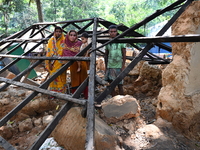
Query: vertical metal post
pixel 89 145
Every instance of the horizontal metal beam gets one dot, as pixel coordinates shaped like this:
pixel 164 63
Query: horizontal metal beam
pixel 176 38
pixel 47 58
pixel 63 22
pixel 154 60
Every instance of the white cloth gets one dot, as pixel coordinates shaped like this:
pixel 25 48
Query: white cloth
pixel 50 144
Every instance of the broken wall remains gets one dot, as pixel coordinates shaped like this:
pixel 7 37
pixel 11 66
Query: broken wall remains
pixel 179 98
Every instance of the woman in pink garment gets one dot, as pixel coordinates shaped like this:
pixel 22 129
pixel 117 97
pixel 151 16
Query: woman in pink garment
pixel 71 47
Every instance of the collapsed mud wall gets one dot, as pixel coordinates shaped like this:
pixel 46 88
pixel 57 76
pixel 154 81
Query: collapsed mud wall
pixel 179 98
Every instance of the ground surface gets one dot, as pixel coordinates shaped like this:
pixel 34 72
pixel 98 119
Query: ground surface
pixel 137 140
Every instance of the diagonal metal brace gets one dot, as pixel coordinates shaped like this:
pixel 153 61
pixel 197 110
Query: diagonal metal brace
pixel 5 144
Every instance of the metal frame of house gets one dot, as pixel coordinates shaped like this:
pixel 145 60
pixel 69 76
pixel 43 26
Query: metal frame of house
pixel 128 35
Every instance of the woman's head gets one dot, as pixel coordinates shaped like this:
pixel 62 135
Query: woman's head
pixel 58 31
pixel 72 35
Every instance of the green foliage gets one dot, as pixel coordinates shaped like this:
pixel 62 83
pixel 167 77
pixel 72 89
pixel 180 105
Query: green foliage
pixel 16 15
pixel 118 11
pixel 23 20
pixel 7 7
pixel 69 10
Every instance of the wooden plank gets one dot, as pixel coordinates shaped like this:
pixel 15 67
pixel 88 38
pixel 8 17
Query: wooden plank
pixel 98 33
pixel 157 62
pixel 89 145
pixel 43 91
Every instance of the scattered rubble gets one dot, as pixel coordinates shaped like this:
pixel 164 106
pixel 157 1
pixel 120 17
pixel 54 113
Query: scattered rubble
pixel 136 126
pixel 178 100
pixel 120 108
pixel 71 132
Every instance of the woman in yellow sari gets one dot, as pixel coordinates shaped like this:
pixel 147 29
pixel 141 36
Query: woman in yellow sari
pixel 54 49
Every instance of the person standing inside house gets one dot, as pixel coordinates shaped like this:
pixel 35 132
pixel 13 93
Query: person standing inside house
pixel 54 48
pixel 84 39
pixel 84 64
pixel 71 47
pixel 115 57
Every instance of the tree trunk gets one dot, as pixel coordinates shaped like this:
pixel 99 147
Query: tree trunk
pixel 39 10
pixel 5 24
